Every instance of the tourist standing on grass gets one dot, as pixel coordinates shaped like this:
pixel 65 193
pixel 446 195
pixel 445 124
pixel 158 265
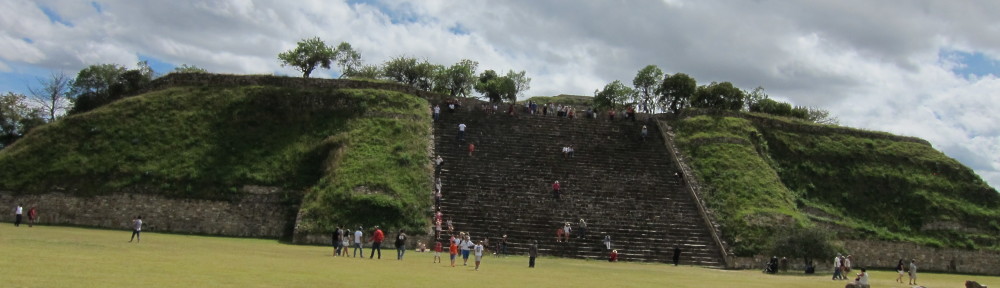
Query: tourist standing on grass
pixel 913 272
pixel 677 255
pixel 437 251
pixel 377 238
pixel 532 254
pixel 400 245
pixel 836 268
pixel 32 217
pixel 345 241
pixel 453 251
pixel 136 228
pixel 479 253
pixel 466 246
pixel 900 270
pixel 338 237
pixel 358 237
pixel 17 215
pixel 613 257
pixel 503 246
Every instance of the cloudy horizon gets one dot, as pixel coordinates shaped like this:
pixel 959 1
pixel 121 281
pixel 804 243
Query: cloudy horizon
pixel 926 69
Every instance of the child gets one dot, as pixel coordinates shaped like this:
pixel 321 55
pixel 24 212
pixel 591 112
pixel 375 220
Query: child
pixel 453 250
pixel 437 252
pixel 614 256
pixel 479 253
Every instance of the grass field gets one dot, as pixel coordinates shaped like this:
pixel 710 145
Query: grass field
pixel 46 256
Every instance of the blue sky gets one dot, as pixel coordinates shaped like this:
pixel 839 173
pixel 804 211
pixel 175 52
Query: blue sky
pixel 924 69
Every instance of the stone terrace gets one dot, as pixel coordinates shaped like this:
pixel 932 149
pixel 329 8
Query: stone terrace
pixel 620 184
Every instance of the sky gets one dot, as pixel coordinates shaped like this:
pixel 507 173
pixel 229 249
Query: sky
pixel 927 69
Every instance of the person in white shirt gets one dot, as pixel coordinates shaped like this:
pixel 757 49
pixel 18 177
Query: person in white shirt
pixel 461 132
pixel 862 281
pixel 17 215
pixel 437 112
pixel 479 253
pixel 136 228
pixel 357 243
pixel 466 246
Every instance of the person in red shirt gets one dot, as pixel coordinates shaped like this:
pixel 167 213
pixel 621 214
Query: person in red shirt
pixel 32 217
pixel 453 250
pixel 472 148
pixel 377 238
pixel 614 256
pixel 555 190
pixel 437 252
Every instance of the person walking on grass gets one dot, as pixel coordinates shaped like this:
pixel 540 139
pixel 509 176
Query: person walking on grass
pixel 17 215
pixel 358 237
pixel 913 271
pixel 453 251
pixel 900 269
pixel 479 253
pixel 400 245
pixel 136 228
pixel 532 254
pixel 437 252
pixel 338 236
pixel 32 217
pixel 466 246
pixel 377 238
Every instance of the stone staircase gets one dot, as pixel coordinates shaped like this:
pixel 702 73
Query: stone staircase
pixel 621 185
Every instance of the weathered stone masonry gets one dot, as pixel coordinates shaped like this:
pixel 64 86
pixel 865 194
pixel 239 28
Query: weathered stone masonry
pixel 260 212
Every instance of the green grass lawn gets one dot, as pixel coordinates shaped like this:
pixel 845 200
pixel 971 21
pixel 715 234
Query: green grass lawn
pixel 46 256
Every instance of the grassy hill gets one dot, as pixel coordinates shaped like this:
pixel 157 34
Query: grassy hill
pixel 768 173
pixel 205 142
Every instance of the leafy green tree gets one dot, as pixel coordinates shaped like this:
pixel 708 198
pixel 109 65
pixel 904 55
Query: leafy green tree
pixel 308 55
pixel 613 96
pixel 184 68
pixel 98 85
pixel 820 116
pixel 645 83
pixel 753 97
pixel 410 71
pixel 53 94
pixel 458 79
pixel 803 243
pixel 521 83
pixel 348 59
pixel 723 96
pixel 367 72
pixel 676 91
pixel 489 85
pixel 17 117
pixel 772 107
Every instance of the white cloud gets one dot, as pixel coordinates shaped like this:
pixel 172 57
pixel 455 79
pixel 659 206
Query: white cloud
pixel 875 64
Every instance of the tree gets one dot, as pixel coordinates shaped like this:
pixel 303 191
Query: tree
pixel 820 116
pixel 645 83
pixel 723 96
pixel 410 71
pixel 98 85
pixel 367 72
pixel 753 97
pixel 676 91
pixel 489 85
pixel 53 95
pixel 308 55
pixel 613 96
pixel 184 68
pixel 348 59
pixel 17 118
pixel 459 78
pixel 521 83
pixel 804 243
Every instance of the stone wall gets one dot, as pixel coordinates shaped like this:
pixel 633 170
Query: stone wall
pixel 260 212
pixel 885 255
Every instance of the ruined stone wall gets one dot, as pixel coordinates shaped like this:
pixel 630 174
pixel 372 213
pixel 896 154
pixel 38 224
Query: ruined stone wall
pixel 885 255
pixel 226 80
pixel 260 212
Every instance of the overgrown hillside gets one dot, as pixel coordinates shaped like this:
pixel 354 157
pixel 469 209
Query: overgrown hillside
pixel 207 142
pixel 765 174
